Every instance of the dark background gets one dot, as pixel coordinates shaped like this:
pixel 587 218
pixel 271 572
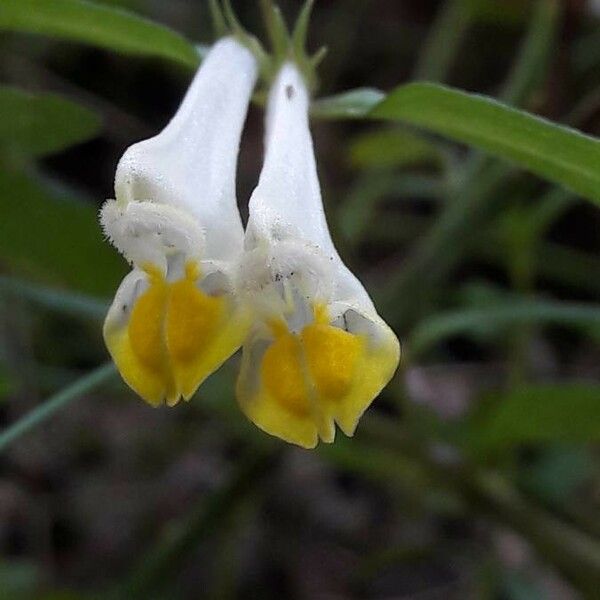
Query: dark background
pixel 110 496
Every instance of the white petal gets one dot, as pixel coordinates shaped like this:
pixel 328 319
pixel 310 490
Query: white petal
pixel 287 201
pixel 191 164
pixel 318 353
pixel 287 205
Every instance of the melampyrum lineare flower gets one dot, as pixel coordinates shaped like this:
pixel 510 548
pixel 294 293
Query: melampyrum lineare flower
pixel 317 353
pixel 175 317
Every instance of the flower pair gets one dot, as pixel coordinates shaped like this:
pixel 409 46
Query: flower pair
pixel 315 352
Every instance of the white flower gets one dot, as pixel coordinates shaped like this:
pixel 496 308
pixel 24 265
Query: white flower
pixel 175 318
pixel 318 353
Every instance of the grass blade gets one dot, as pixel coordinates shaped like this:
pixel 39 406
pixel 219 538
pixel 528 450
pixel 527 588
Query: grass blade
pixel 42 123
pixel 53 404
pixel 443 326
pixel 554 152
pixel 98 25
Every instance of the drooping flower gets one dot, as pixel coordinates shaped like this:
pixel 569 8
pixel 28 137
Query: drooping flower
pixel 175 318
pixel 318 353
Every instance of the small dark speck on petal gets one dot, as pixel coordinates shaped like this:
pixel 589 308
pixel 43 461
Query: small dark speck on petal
pixel 289 91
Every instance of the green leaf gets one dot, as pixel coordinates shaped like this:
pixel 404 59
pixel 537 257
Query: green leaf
pixel 552 151
pixel 544 413
pixel 444 40
pixel 42 123
pixel 557 472
pixel 392 148
pixel 61 301
pixel 357 215
pixel 19 580
pixel 54 238
pixel 99 25
pixel 539 44
pixel 353 104
pixel 507 314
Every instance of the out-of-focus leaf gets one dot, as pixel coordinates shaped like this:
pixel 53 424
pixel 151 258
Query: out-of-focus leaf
pixel 552 262
pixel 586 51
pixel 531 68
pixel 54 238
pixel 444 40
pixel 42 123
pixel 6 387
pixel 552 151
pixel 557 473
pixel 99 25
pixel 496 12
pixel 519 586
pixel 353 104
pixel 357 213
pixel 18 580
pixel 545 413
pixel 70 303
pixel 507 314
pixel 392 148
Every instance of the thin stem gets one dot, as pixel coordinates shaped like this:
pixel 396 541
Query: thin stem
pixel 531 67
pixel 56 402
pixel 444 40
pixel 59 300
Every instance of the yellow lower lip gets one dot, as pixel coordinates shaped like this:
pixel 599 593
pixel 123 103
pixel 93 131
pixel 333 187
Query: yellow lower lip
pixel 312 379
pixel 176 336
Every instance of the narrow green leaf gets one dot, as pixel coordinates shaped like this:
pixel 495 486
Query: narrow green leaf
pixel 69 303
pixel 507 314
pixel 530 70
pixel 42 123
pixel 444 40
pixel 99 25
pixel 552 262
pixel 544 413
pixel 353 104
pixel 357 215
pixel 59 400
pixel 552 151
pixel 217 16
pixel 300 33
pixel 277 30
pixel 54 238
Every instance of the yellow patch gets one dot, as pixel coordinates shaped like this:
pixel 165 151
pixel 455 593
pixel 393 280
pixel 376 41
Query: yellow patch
pixel 176 336
pixel 145 329
pixel 312 379
pixel 332 356
pixel 281 372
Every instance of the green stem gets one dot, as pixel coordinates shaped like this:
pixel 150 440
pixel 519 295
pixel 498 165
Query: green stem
pixel 444 40
pixel 59 300
pixel 534 54
pixel 59 400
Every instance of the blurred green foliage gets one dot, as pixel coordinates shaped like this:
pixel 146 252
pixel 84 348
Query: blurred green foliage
pixel 462 251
